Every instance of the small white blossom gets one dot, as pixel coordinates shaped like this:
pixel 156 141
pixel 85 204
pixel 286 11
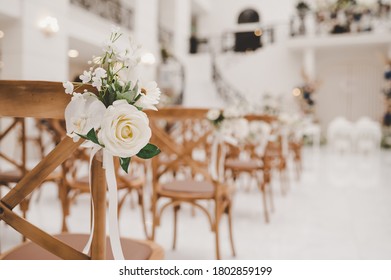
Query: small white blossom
pixel 100 73
pixel 97 82
pixel 213 114
pixel 68 87
pixel 85 77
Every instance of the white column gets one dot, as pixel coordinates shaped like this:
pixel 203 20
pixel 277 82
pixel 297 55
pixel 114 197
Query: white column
pixel 175 17
pixel 309 65
pixel 146 32
pixel 182 27
pixel 28 53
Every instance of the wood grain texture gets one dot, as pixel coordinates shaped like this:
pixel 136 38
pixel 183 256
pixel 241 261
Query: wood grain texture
pixel 40 237
pixel 98 193
pixel 34 178
pixel 37 99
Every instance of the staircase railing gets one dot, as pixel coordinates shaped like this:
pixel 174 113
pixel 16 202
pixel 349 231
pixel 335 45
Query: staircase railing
pixel 112 10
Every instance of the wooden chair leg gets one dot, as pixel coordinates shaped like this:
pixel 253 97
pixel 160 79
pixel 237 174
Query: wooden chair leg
pixel 229 212
pixel 264 199
pixel 217 230
pixel 142 208
pixel 154 216
pixel 282 185
pixel 63 192
pixel 271 197
pixel 176 209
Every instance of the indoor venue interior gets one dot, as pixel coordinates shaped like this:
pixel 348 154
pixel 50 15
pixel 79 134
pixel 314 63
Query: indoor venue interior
pixel 195 129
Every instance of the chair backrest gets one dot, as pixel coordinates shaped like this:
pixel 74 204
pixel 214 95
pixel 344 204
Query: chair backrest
pixel 40 99
pixel 185 138
pixel 16 125
pixel 340 134
pixel 367 135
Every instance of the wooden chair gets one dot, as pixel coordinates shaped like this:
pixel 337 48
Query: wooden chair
pixel 249 158
pixel 47 100
pixel 77 184
pixel 180 172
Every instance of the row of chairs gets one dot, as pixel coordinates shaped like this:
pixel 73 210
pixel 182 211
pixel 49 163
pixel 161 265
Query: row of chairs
pixel 180 174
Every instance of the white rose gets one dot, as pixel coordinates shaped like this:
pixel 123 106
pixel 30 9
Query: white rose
pixel 213 114
pixel 125 130
pixel 84 112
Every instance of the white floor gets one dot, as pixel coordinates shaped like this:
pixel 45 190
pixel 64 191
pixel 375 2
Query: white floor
pixel 340 209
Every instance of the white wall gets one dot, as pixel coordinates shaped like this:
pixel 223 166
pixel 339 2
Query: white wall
pixel 351 83
pixel 273 70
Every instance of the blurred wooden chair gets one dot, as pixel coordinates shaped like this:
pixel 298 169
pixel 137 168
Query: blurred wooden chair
pixel 47 100
pixel 276 154
pixel 249 158
pixel 180 171
pixel 77 183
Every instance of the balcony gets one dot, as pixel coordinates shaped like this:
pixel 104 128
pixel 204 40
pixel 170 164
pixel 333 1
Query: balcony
pixel 112 11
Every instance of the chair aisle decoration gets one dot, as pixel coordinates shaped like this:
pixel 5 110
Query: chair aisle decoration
pixel 113 120
pixel 109 116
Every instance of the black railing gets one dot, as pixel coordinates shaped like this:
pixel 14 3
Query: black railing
pixel 112 10
pixel 239 41
pixel 166 39
pixel 226 91
pixel 337 20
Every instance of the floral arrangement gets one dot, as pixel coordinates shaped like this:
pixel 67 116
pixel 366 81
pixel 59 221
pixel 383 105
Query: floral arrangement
pixel 113 119
pixel 230 123
pixel 387 94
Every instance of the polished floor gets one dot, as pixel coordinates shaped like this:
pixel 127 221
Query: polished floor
pixel 339 209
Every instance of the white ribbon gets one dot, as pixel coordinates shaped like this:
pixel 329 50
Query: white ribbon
pixel 217 165
pixel 111 181
pixel 115 240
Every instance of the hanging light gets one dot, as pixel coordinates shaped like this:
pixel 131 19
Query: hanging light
pixel 73 53
pixel 49 25
pixel 296 92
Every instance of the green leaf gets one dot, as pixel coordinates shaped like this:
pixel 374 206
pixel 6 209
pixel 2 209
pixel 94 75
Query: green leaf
pixel 91 135
pixel 149 151
pixel 125 163
pixel 127 86
pixel 125 95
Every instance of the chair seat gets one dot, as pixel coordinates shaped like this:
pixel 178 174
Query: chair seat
pixel 187 189
pixel 11 176
pixel 82 183
pixel 243 165
pixel 132 249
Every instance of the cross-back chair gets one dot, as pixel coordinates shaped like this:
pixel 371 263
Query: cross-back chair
pixel 47 100
pixel 249 158
pixel 180 172
pixel 77 183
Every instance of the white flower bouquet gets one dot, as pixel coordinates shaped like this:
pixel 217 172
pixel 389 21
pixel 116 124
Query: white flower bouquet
pixel 113 118
pixel 230 123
